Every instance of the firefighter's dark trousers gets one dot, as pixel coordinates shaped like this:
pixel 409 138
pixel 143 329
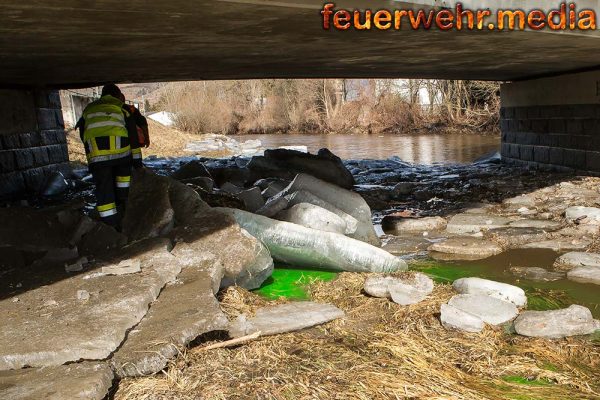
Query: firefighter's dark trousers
pixel 112 179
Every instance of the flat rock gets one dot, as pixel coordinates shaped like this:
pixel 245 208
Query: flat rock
pixel 189 170
pixel 122 268
pixel 498 290
pixel 454 318
pixel 536 274
pixel 536 223
pixel 86 381
pixel 397 225
pixel 403 291
pixel 576 259
pixel 585 274
pixel 516 237
pixel 283 318
pixel 583 215
pixel 490 309
pixel 35 335
pixel 471 248
pixel 555 324
pixel 558 244
pixel 472 223
pixel 405 244
pixel 521 201
pixel 185 309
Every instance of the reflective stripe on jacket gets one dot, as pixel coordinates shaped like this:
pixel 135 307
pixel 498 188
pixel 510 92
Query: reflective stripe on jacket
pixel 105 131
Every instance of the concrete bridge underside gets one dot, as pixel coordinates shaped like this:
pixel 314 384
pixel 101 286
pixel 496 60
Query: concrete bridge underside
pixel 550 115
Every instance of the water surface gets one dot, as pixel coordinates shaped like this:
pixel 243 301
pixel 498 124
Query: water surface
pixel 420 149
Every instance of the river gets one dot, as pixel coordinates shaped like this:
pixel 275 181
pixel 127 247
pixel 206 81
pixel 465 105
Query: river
pixel 419 149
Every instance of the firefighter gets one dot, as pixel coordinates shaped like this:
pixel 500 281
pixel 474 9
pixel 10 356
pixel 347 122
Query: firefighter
pixel 105 129
pixel 142 136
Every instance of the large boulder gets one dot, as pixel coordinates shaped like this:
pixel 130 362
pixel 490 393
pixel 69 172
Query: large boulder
pixel 555 324
pixel 283 163
pixel 313 217
pixel 489 309
pixel 304 247
pixel 499 290
pixel 213 235
pixel 284 318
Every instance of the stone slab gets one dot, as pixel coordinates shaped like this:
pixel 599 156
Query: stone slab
pixel 555 324
pixel 283 318
pixel 185 309
pixel 585 275
pixel 49 325
pixel 468 247
pixel 558 244
pixel 85 381
pixel 491 310
pixel 576 259
pixel 472 223
pixel 498 290
pixel 536 223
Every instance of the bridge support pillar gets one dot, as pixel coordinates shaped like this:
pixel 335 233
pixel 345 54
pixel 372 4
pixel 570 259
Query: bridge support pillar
pixel 553 123
pixel 32 141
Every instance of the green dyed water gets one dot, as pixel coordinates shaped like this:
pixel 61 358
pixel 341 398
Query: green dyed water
pixel 541 295
pixel 291 283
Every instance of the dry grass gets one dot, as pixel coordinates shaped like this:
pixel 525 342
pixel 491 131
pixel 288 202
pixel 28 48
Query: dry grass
pixel 379 351
pixel 164 142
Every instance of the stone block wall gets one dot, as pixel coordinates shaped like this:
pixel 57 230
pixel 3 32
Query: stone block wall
pixel 553 123
pixel 32 141
pixel 558 137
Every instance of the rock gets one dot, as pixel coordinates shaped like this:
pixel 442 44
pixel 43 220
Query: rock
pixel 403 189
pixel 303 196
pixel 516 237
pixel 555 324
pixel 122 268
pixel 585 274
pixel 469 248
pixel 185 309
pixel 284 318
pixel 252 199
pixel 231 188
pixel 454 318
pixel 190 170
pixel 149 212
pixel 83 295
pixel 583 215
pixel 85 225
pixel 101 239
pixel 77 266
pixel 313 217
pixel 397 225
pixel 234 175
pixel 558 245
pixel 536 274
pixel 489 309
pixel 405 244
pixel 213 235
pixel 274 187
pixel 498 290
pixel 58 256
pixel 403 291
pixel 88 330
pixel 472 223
pixel 523 200
pixel 85 381
pixel 304 247
pixel 282 163
pixel 576 259
pixel 536 223
pixel 202 182
pixel 185 202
